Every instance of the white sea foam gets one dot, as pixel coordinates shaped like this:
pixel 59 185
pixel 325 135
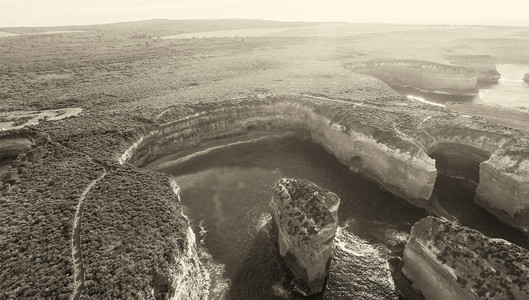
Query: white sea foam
pixel 420 99
pixel 364 254
pixel 261 222
pixel 279 290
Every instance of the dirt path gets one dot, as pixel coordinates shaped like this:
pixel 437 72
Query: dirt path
pixel 79 272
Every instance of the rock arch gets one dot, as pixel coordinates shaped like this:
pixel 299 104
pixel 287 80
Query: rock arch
pixel 502 176
pixel 458 160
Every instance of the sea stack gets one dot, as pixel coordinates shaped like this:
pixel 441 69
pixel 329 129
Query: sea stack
pixel 526 78
pixel 306 218
pixel 447 261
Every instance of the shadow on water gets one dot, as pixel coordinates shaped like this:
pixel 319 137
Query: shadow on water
pixel 263 258
pixel 456 196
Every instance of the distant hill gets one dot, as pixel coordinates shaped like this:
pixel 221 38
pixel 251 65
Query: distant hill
pixel 163 27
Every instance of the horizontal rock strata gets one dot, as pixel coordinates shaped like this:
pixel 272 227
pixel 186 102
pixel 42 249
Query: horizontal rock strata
pixel 422 75
pixel 12 146
pixel 383 139
pixel 447 261
pixel 484 65
pixel 134 238
pixel 306 218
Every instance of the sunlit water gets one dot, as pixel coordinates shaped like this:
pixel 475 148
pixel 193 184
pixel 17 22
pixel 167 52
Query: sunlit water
pixel 226 192
pixel 510 91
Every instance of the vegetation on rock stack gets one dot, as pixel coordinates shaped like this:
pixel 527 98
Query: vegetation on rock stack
pixel 490 268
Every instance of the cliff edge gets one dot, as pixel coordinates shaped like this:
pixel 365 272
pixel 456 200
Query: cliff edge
pixel 484 65
pixel 423 75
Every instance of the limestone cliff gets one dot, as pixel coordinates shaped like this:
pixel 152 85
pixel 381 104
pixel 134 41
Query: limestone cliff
pixel 422 75
pixel 188 278
pixel 484 65
pixel 388 140
pixel 306 218
pixel 12 146
pixel 447 261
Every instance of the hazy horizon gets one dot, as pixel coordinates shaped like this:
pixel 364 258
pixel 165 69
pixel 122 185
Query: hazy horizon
pixel 41 13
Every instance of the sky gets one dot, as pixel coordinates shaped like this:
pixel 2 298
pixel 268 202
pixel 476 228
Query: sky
pixel 81 12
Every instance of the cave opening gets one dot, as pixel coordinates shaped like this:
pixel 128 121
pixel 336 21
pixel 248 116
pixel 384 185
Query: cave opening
pixel 457 178
pixel 458 160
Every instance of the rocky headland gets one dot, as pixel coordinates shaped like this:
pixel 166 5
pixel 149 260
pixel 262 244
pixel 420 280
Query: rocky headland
pixel 447 261
pixel 484 65
pixel 306 218
pixel 422 75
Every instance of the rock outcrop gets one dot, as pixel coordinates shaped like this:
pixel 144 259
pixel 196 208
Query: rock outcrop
pixel 447 261
pixel 484 65
pixel 526 78
pixel 306 219
pixel 423 75
pixel 12 146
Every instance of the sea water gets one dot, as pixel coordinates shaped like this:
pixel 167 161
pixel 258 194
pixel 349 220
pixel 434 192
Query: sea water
pixel 510 91
pixel 225 193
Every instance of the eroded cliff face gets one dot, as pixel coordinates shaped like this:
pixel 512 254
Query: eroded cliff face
pixel 398 165
pixel 306 219
pixel 12 146
pixel 484 65
pixel 387 140
pixel 422 75
pixel 447 261
pixel 188 278
pixel 504 192
pixel 503 179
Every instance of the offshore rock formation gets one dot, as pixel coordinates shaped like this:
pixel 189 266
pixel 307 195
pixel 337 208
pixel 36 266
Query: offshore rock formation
pixel 447 261
pixel 385 139
pixel 484 65
pixel 306 218
pixel 526 78
pixel 423 75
